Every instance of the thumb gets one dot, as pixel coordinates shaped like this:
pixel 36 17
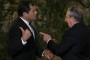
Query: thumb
pixel 21 29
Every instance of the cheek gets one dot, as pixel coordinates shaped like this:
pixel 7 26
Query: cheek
pixel 32 15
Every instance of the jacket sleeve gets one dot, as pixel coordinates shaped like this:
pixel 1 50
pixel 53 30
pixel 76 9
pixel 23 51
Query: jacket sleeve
pixel 39 48
pixel 66 44
pixel 15 43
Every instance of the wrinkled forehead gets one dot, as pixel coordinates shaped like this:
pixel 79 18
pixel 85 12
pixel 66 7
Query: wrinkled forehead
pixel 68 13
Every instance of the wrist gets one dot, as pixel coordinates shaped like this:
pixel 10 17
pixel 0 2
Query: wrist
pixel 23 42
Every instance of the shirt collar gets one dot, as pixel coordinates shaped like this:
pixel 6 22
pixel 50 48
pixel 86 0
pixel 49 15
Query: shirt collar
pixel 25 21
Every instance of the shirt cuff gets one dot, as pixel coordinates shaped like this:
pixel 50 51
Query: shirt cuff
pixel 23 42
pixel 48 41
pixel 43 53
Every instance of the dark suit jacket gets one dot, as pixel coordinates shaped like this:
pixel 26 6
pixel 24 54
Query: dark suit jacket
pixel 75 44
pixel 17 50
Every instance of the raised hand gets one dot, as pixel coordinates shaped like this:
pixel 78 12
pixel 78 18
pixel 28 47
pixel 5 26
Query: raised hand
pixel 46 37
pixel 48 54
pixel 26 34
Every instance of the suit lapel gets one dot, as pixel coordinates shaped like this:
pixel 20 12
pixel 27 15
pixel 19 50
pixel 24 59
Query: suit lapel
pixel 32 30
pixel 24 26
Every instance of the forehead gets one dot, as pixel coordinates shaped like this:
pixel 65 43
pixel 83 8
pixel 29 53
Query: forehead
pixel 68 12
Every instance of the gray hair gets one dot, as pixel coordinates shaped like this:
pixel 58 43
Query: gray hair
pixel 76 13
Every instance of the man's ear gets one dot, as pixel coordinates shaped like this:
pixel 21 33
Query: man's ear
pixel 25 14
pixel 72 18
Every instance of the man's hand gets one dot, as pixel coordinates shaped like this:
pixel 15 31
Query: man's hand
pixel 26 34
pixel 46 37
pixel 48 54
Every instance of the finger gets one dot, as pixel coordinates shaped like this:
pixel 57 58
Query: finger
pixel 49 58
pixel 42 33
pixel 21 29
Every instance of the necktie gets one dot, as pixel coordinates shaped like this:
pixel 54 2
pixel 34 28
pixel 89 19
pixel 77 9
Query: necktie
pixel 30 26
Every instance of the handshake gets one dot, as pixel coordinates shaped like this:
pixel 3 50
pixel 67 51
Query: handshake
pixel 48 54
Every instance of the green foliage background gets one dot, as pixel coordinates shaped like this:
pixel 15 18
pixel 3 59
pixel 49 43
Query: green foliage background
pixel 50 19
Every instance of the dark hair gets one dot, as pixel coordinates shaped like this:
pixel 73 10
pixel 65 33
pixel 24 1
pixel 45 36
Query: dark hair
pixel 76 13
pixel 24 6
